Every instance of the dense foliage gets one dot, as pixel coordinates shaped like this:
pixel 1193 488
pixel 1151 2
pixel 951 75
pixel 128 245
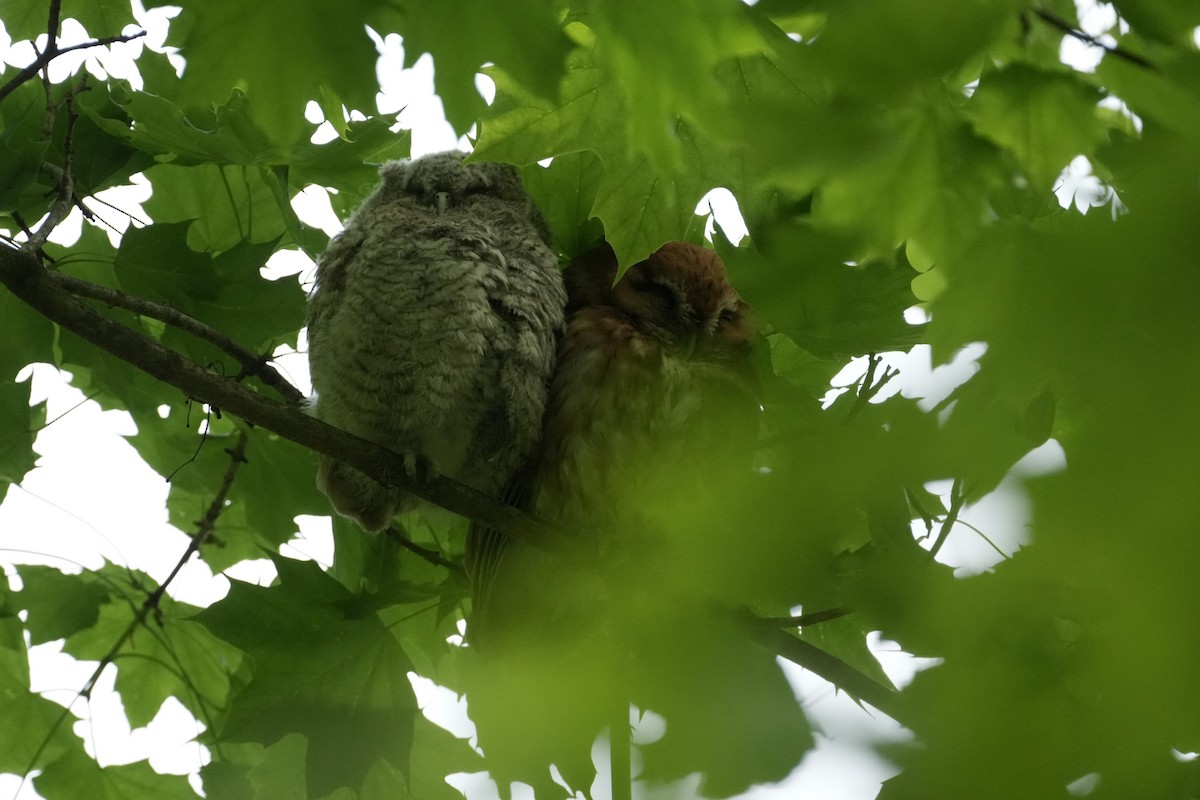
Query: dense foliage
pixel 884 155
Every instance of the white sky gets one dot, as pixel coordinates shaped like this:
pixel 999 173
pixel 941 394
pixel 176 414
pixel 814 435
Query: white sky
pixel 92 498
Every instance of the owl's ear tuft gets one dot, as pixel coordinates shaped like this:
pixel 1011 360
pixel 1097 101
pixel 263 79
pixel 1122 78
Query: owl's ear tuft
pixel 395 175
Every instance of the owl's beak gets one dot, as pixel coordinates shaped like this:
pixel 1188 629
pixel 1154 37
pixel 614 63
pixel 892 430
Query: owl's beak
pixel 443 200
pixel 688 345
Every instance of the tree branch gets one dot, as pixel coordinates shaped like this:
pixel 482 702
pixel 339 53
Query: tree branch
pixel 64 200
pixel 1061 24
pixel 869 387
pixel 53 52
pixel 26 278
pixel 394 533
pixel 856 684
pixel 206 525
pixel 252 363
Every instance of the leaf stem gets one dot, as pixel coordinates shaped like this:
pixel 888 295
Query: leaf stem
pixel 957 497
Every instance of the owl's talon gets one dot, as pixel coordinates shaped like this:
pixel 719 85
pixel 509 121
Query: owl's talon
pixel 420 469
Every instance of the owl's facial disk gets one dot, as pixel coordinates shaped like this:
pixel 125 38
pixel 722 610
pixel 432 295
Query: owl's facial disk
pixel 694 310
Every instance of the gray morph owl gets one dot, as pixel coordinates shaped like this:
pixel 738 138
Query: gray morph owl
pixel 432 329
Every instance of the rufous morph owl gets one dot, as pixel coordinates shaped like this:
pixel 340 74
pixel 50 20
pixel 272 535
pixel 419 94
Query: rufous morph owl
pixel 432 329
pixel 652 400
pixel 653 381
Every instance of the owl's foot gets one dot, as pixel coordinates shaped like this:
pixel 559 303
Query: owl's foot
pixel 358 497
pixel 421 469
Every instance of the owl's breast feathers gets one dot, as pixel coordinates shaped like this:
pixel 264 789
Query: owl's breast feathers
pixel 432 330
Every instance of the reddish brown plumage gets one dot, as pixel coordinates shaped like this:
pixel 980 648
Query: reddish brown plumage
pixel 652 382
pixel 651 402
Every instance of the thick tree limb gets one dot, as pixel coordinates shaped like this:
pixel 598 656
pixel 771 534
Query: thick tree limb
pixel 252 363
pixel 26 278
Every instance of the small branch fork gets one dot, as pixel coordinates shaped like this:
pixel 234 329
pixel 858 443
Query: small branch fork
pixel 53 51
pixel 869 386
pixel 252 363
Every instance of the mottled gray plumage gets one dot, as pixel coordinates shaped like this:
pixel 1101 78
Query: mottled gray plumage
pixel 432 329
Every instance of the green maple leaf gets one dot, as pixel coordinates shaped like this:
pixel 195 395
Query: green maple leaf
pixel 339 679
pixel 279 55
pixel 641 203
pixel 75 775
pixel 521 37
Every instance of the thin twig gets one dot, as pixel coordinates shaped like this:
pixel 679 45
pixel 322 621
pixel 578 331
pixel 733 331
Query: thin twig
pixel 208 523
pixel 850 680
pixel 868 387
pixel 52 24
pixel 800 620
pixel 432 556
pixel 204 529
pixel 252 363
pixel 65 188
pixel 1061 24
pixel 50 54
pixel 957 496
pixel 45 425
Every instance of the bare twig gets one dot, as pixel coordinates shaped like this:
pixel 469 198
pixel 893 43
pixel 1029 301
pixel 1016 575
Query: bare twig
pixel 64 200
pixel 857 684
pixel 252 363
pixel 206 525
pixel 54 52
pixel 52 25
pixel 1061 24
pixel 432 556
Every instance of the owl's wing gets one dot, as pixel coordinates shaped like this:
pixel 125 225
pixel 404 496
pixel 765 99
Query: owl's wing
pixel 330 280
